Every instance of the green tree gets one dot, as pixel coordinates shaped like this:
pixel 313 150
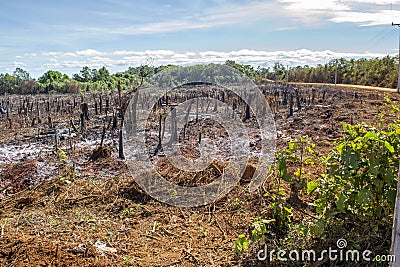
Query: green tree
pixel 85 75
pixel 8 84
pixel 101 75
pixel 21 74
pixel 53 81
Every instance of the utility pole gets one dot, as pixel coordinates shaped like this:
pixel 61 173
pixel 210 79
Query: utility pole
pixel 395 246
pixel 335 77
pixel 398 68
pixel 335 72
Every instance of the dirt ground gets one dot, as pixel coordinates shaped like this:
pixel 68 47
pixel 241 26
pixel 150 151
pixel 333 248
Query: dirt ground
pixel 58 210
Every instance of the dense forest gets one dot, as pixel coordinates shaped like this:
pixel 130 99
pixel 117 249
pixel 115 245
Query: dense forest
pixel 373 72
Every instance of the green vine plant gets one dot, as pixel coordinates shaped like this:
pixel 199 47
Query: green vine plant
pixel 278 219
pixel 280 211
pixel 66 174
pixel 359 185
pixel 293 164
pixel 291 167
pixel 62 156
pixel 260 229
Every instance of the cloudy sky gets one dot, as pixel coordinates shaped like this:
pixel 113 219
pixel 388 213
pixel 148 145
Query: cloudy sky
pixel 67 35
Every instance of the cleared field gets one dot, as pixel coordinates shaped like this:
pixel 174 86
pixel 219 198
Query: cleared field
pixel 61 204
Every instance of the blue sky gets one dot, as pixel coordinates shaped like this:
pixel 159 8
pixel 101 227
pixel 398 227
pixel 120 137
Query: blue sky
pixel 67 35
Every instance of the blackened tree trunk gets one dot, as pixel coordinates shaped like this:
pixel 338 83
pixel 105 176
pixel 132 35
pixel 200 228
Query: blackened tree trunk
pixel 291 106
pixel 174 130
pixel 120 146
pixel 298 101
pixel 247 111
pixel 85 110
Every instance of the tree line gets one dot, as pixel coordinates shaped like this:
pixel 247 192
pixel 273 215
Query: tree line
pixel 380 72
pixel 373 72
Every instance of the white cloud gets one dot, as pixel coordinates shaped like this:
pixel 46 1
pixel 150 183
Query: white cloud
pixel 26 55
pixel 18 64
pixel 366 19
pixel 218 16
pixel 359 12
pixel 315 5
pixel 168 26
pixel 207 17
pixel 247 12
pixel 375 2
pixel 124 53
pixel 79 53
pixel 88 52
pixel 51 54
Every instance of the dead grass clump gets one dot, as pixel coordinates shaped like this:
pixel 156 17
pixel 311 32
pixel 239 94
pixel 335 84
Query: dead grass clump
pixel 17 177
pixel 102 152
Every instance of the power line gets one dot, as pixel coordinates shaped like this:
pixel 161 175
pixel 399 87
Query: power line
pixel 378 38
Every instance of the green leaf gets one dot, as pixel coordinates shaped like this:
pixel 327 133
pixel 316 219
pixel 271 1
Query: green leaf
pixel 281 191
pixel 281 164
pixel 370 135
pixel 318 228
pixel 391 196
pixel 311 186
pixel 282 170
pixel 287 177
pixel 292 145
pixel 389 147
pixel 340 205
pixel 287 209
pixel 241 244
pixel 363 196
pixel 351 158
pixel 268 221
